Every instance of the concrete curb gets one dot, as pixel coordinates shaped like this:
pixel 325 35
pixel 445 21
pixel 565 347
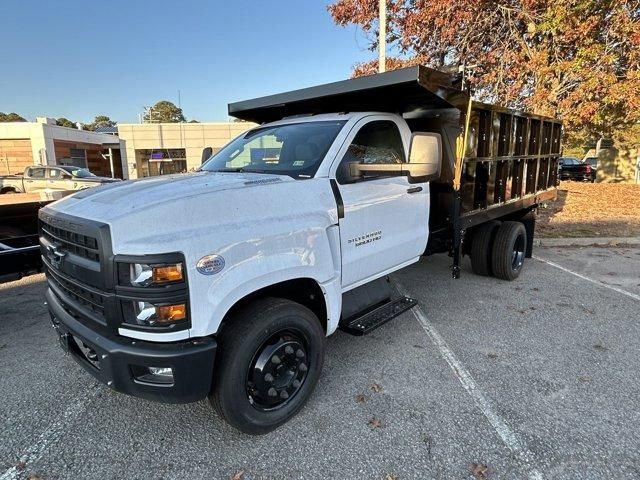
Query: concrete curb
pixel 586 242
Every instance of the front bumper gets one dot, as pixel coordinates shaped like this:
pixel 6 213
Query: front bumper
pixel 117 362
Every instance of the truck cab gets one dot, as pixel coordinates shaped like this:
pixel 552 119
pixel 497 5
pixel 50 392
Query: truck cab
pixel 226 282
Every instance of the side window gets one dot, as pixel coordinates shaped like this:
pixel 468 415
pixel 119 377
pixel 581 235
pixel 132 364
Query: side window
pixel 54 173
pixel 376 142
pixel 36 172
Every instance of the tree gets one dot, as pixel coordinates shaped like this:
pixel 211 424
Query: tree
pixel 579 59
pixel 11 117
pixel 65 122
pixel 99 121
pixel 164 112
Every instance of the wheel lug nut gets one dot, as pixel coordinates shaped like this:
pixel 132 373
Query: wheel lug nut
pixel 288 349
pixel 303 367
pixel 268 378
pixel 299 353
pixel 272 392
pixel 296 384
pixel 276 359
pixel 284 395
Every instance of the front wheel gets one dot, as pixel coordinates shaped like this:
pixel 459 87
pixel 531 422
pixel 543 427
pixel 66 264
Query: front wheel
pixel 271 355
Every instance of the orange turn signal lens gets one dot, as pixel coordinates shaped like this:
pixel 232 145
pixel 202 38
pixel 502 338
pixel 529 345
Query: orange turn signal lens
pixel 171 313
pixel 167 273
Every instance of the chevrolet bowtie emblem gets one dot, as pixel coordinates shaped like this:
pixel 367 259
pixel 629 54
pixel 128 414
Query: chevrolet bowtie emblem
pixel 55 255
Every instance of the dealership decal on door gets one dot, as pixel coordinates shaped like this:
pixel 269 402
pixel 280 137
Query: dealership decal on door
pixel 210 264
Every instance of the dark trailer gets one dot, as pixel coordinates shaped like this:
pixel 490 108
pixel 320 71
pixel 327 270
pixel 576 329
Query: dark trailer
pixel 497 163
pixel 19 245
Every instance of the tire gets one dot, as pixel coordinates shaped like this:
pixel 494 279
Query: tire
pixel 256 335
pixel 482 248
pixel 509 249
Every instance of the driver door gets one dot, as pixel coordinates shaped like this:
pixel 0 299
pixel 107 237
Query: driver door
pixel 59 180
pixel 35 180
pixel 385 224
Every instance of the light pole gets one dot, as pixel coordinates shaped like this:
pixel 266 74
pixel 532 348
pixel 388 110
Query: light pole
pixel 382 39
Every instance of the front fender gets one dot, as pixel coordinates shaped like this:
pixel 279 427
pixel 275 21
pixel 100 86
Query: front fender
pixel 253 265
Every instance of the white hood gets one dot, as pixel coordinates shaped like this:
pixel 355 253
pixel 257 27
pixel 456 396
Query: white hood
pixel 116 200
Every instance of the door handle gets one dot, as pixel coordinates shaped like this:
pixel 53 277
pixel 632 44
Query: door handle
pixel 414 189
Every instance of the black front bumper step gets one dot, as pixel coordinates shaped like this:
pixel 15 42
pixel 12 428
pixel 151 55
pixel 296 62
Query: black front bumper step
pixel 363 324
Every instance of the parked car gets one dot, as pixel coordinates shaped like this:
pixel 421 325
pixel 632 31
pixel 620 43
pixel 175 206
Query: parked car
pixel 51 179
pixel 571 168
pixel 593 161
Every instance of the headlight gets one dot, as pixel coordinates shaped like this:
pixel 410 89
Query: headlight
pixel 143 275
pixel 152 292
pixel 150 315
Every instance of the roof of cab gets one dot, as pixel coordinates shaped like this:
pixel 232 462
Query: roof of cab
pixel 400 91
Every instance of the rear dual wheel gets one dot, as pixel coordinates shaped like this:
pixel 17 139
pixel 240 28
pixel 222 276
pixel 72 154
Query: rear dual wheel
pixel 509 248
pixel 270 357
pixel 499 249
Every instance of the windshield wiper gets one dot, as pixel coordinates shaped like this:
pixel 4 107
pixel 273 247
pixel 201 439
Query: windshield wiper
pixel 240 170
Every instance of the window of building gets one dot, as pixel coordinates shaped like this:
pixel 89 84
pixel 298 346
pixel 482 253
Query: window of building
pixel 161 161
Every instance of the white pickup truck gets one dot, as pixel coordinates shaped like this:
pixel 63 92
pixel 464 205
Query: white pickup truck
pixel 49 179
pixel 225 282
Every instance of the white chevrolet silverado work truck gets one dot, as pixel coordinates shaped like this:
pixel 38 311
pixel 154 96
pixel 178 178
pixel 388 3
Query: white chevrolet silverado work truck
pixel 225 282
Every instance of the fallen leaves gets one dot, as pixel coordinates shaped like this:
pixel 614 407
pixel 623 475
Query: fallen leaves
pixel 376 387
pixel 239 475
pixel 479 470
pixel 360 398
pixel 592 210
pixel 375 423
pixel 20 466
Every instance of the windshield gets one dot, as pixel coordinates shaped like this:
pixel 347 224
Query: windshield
pixel 593 161
pixel 295 149
pixel 79 172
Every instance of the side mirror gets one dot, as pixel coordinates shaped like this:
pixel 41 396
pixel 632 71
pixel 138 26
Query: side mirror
pixel 425 161
pixel 425 156
pixel 206 154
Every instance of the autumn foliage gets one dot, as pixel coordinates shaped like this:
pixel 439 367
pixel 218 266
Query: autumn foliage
pixel 579 59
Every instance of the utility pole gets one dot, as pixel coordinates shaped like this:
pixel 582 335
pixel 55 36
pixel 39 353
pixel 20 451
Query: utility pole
pixel 382 38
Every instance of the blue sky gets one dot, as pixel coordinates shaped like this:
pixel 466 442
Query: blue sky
pixel 78 59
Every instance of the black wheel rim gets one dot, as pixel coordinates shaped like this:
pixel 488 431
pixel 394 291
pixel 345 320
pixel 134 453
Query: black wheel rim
pixel 517 256
pixel 278 371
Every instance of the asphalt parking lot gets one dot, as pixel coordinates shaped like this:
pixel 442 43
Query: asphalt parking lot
pixel 535 378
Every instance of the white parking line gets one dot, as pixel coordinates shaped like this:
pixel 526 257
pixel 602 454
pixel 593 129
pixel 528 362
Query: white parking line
pixel 503 430
pixel 592 280
pixel 51 435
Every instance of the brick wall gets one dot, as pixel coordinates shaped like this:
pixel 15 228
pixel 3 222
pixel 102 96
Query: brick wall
pixel 15 155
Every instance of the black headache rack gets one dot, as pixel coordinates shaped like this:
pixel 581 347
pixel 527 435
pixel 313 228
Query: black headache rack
pixel 497 162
